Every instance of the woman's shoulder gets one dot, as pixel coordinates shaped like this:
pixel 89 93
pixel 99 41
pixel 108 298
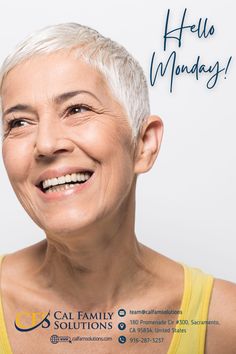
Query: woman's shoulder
pixel 23 257
pixel 161 263
pixel 221 337
pixel 16 267
pixel 222 307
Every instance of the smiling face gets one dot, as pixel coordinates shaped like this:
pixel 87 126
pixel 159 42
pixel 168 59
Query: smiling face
pixel 67 142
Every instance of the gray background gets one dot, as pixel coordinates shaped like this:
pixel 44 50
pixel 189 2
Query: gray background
pixel 186 204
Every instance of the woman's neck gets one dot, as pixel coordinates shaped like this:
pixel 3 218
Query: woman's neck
pixel 95 267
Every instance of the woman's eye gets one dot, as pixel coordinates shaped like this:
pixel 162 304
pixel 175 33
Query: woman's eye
pixel 17 123
pixel 78 109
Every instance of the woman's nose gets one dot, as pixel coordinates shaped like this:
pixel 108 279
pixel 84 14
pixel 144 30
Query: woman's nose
pixel 52 139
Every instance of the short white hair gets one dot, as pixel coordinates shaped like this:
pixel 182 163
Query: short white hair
pixel 122 72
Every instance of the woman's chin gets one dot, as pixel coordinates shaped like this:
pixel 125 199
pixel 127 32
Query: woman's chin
pixel 66 224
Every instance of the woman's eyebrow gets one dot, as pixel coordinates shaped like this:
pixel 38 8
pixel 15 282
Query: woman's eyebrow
pixel 67 95
pixel 18 108
pixel 58 100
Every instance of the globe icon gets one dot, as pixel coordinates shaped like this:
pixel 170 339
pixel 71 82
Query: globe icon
pixel 54 339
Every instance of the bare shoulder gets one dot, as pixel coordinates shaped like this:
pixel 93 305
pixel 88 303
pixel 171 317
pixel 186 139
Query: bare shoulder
pixel 167 269
pixel 221 338
pixel 20 264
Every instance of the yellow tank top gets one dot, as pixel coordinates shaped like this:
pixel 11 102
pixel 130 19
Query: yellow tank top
pixel 194 306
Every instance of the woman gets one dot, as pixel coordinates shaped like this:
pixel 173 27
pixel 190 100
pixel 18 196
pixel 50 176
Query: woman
pixel 77 132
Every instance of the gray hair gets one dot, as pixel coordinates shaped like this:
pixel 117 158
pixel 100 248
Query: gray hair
pixel 123 73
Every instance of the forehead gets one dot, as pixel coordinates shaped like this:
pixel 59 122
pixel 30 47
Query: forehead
pixel 44 76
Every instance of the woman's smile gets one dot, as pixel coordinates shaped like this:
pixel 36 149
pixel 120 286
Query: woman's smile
pixel 54 185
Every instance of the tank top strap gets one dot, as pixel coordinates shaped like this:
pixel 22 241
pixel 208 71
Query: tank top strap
pixel 5 347
pixel 192 322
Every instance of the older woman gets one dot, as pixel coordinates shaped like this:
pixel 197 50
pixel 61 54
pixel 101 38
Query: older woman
pixel 77 132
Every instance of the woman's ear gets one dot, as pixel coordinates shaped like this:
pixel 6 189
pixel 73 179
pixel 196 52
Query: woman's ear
pixel 148 144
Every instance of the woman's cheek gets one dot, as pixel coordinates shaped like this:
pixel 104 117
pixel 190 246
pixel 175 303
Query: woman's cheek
pixel 100 139
pixel 17 158
pixel 93 141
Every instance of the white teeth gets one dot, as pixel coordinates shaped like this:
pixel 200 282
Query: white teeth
pixel 74 177
pixel 68 178
pixel 61 180
pixel 59 188
pixel 52 182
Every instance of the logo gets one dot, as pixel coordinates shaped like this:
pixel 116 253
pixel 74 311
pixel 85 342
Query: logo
pixel 121 326
pixel 54 339
pixel 121 312
pixel 28 321
pixel 122 339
